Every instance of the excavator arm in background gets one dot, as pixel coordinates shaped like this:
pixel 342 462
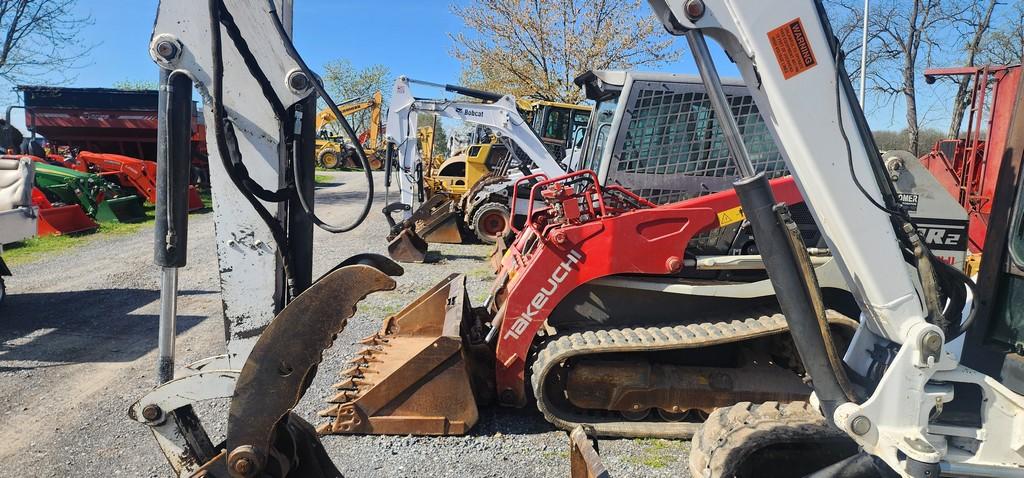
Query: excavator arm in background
pixel 436 215
pixel 788 55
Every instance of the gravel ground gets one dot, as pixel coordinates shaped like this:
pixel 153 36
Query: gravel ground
pixel 78 346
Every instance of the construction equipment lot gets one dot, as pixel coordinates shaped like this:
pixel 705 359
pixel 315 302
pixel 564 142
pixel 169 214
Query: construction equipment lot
pixel 78 344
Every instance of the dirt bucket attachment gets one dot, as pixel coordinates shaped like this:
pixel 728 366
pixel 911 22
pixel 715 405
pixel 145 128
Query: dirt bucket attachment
pixel 415 376
pixel 122 209
pixel 407 246
pixel 437 220
pixel 57 221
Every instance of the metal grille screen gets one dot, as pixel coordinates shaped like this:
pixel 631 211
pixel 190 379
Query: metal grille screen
pixel 671 148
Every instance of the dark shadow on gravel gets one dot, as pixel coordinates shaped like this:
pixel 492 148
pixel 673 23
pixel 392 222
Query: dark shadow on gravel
pixel 510 421
pixel 467 257
pixel 329 184
pixel 340 197
pixel 81 326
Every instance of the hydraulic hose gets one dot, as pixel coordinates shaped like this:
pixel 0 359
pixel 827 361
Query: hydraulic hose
pixel 222 126
pixel 349 131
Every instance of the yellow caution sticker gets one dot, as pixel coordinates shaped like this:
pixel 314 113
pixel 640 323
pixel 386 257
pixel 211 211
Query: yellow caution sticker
pixel 730 216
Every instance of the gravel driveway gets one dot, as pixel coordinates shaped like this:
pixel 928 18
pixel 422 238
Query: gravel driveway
pixel 78 346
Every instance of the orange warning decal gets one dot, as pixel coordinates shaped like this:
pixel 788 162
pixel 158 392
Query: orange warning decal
pixel 792 48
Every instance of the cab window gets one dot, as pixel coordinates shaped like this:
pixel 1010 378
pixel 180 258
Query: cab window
pixel 454 169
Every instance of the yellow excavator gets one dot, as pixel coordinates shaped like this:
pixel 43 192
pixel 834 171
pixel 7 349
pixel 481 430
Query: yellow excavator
pixel 332 152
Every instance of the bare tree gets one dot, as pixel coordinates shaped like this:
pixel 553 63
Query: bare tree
pixel 537 47
pixel 41 40
pixel 975 25
pixel 904 34
pixel 346 82
pixel 1005 43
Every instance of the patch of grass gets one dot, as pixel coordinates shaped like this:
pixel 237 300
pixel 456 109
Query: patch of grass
pixel 321 178
pixel 36 248
pixel 657 453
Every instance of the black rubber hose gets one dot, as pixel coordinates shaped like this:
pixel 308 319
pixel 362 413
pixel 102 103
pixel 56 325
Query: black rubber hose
pixel 367 170
pixel 221 124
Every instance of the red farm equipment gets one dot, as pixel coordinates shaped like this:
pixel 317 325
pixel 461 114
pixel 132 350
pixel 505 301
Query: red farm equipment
pixel 60 220
pixel 963 165
pixel 130 173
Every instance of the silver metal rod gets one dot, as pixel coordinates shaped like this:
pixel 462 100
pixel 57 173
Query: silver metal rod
pixel 168 323
pixel 864 53
pixel 716 94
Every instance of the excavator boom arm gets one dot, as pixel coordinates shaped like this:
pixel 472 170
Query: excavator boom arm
pixel 787 55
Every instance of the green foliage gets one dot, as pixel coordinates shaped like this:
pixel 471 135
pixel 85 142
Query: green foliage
pixel 658 454
pixel 346 82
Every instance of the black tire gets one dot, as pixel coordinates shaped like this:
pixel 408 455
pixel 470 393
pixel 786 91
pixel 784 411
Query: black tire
pixel 766 440
pixel 329 158
pixel 3 291
pixel 490 221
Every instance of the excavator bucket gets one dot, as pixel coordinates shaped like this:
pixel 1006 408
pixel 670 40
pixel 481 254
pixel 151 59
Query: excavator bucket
pixel 122 209
pixel 437 220
pixel 417 375
pixel 407 246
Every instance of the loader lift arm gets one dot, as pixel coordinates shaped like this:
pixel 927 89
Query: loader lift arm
pixel 791 60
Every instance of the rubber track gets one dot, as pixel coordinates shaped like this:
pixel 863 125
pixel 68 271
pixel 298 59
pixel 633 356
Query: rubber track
pixel 732 434
pixel 648 339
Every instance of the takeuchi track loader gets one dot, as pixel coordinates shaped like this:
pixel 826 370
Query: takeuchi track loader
pixel 562 327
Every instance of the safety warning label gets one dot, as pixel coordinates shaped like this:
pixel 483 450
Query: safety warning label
pixel 792 48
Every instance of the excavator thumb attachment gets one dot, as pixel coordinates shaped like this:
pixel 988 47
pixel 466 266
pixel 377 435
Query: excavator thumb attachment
pixel 417 376
pixel 584 459
pixel 123 209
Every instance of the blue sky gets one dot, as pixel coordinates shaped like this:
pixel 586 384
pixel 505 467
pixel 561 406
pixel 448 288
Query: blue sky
pixel 409 36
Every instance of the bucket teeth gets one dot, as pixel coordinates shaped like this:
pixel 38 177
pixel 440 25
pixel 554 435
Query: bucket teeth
pixel 352 383
pixel 355 372
pixel 374 339
pixel 344 396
